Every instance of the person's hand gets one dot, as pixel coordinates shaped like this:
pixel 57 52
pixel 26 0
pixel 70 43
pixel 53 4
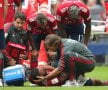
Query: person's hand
pixel 34 55
pixel 22 56
pixel 40 79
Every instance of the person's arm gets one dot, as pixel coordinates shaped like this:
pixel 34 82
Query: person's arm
pixel 30 35
pixel 61 30
pixel 5 8
pixel 48 67
pixel 34 52
pixel 51 75
pixel 87 32
pixel 31 41
pixel 54 73
pixel 18 5
pixel 59 69
pixel 61 26
pixel 53 8
pixel 87 21
pixel 19 8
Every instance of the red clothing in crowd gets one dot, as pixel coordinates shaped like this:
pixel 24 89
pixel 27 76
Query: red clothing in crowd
pixel 69 0
pixel 1 14
pixel 106 7
pixel 11 10
pixel 62 12
pixel 29 7
pixel 51 24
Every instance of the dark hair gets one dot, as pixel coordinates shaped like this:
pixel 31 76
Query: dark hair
pixel 20 15
pixel 52 39
pixel 41 18
pixel 73 12
pixel 34 73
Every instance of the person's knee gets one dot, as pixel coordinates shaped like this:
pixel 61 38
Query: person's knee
pixel 92 67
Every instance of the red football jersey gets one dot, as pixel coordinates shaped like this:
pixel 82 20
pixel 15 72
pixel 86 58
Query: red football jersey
pixel 62 12
pixel 11 10
pixel 1 14
pixel 42 1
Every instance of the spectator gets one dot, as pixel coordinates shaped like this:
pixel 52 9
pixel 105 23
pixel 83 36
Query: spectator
pixel 42 24
pixel 71 16
pixel 97 11
pixel 72 57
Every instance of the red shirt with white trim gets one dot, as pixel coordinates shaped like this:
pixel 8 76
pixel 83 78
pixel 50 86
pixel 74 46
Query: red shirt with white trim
pixel 42 1
pixel 35 28
pixel 11 10
pixel 62 12
pixel 1 14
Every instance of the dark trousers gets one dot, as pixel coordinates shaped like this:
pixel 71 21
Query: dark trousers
pixel 80 64
pixel 37 39
pixel 2 40
pixel 75 31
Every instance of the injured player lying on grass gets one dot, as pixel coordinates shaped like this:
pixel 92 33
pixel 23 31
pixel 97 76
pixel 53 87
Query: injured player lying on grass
pixel 37 75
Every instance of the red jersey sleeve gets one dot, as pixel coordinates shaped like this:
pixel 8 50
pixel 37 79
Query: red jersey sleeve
pixel 85 13
pixel 59 14
pixel 52 21
pixel 54 24
pixel 62 11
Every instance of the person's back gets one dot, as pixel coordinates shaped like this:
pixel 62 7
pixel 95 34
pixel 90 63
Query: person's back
pixel 64 7
pixel 77 47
